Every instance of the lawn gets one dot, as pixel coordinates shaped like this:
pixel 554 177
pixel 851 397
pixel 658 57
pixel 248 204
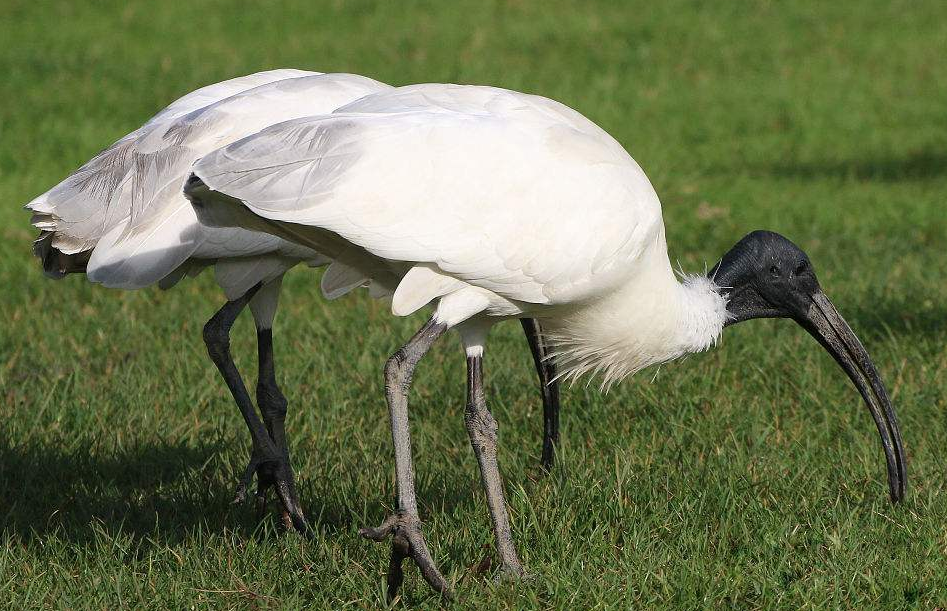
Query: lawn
pixel 748 477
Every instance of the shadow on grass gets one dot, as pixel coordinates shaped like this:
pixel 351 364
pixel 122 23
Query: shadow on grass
pixel 919 165
pixel 163 490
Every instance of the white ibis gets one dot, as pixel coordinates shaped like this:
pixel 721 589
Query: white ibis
pixel 122 219
pixel 494 205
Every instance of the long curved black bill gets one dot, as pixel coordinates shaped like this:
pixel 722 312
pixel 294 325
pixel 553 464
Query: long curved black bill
pixel 826 325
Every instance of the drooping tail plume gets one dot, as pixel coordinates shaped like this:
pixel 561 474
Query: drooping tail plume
pixel 56 263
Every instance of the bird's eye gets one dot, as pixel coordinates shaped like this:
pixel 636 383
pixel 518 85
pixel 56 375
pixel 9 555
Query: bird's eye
pixel 774 270
pixel 801 268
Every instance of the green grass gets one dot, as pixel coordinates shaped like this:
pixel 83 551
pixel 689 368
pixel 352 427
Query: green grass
pixel 749 477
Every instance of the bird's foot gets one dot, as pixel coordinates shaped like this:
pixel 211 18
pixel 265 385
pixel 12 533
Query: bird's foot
pixel 276 473
pixel 511 573
pixel 548 461
pixel 245 481
pixel 407 542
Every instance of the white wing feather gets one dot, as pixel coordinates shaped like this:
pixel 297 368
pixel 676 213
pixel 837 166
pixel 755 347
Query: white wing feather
pixel 150 252
pixel 78 208
pixel 500 190
pixel 132 192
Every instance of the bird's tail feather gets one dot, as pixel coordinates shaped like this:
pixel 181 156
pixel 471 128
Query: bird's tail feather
pixel 56 263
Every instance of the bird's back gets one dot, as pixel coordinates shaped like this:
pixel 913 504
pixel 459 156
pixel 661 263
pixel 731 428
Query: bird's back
pixel 509 192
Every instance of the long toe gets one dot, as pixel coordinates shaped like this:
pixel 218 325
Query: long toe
pixel 245 481
pixel 263 466
pixel 274 473
pixel 381 531
pixel 407 541
pixel 291 511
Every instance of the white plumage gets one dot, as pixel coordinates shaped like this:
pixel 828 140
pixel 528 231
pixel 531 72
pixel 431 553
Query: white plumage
pixel 488 203
pixel 75 210
pixel 493 204
pixel 481 197
pixel 123 220
pixel 125 207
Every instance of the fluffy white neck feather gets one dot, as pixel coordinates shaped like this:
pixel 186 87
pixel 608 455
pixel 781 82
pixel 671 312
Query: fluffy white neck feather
pixel 652 319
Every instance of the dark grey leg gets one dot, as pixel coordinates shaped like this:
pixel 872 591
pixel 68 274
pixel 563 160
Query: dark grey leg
pixel 546 368
pixel 265 456
pixel 405 525
pixel 482 428
pixel 273 404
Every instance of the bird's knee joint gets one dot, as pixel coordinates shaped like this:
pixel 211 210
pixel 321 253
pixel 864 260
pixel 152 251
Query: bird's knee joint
pixel 398 369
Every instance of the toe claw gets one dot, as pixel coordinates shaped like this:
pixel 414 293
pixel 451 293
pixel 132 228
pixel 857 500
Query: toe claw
pixel 406 542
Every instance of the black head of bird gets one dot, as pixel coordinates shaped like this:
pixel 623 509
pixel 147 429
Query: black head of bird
pixel 767 276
